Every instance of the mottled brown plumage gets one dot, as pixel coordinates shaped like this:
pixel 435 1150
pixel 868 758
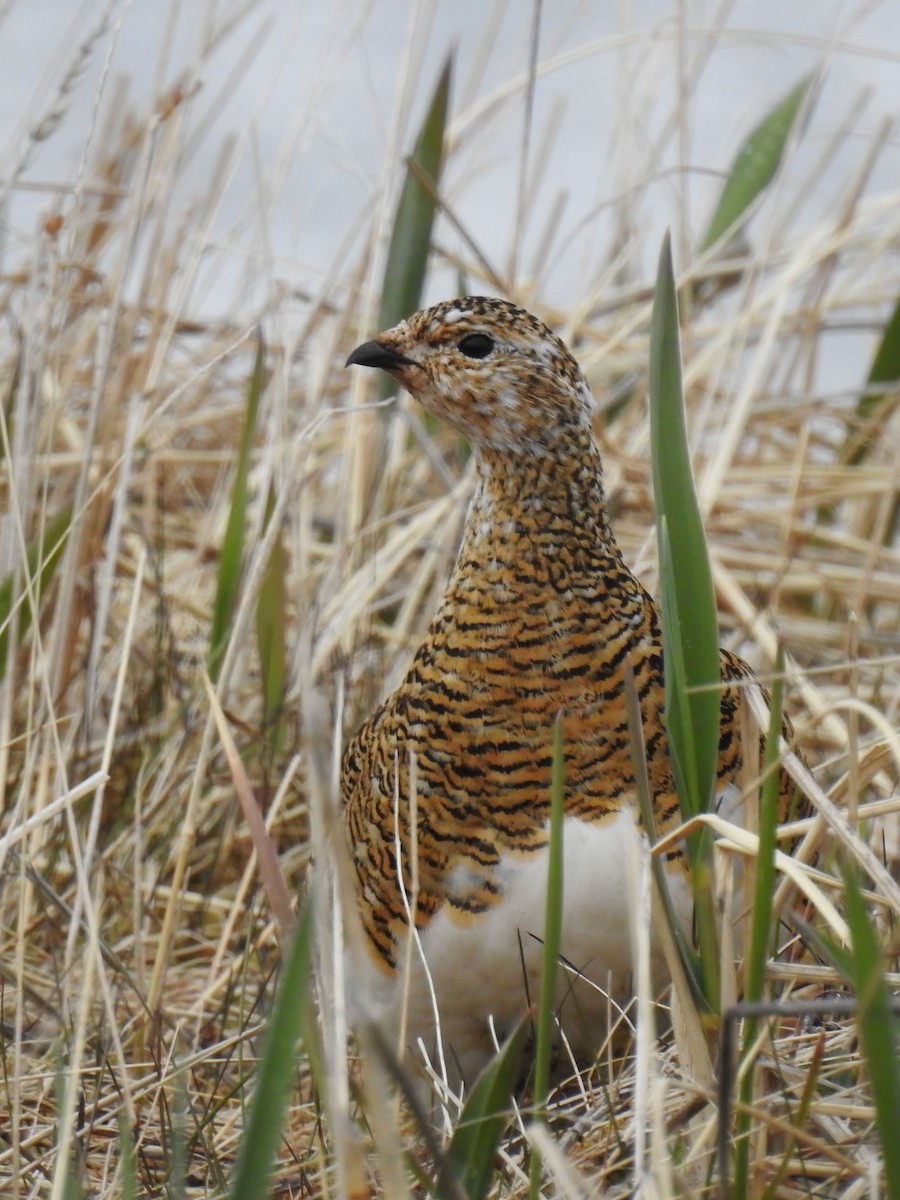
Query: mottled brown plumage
pixel 540 616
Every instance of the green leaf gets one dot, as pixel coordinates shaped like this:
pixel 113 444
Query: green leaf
pixel 67 1162
pixel 690 959
pixel 885 371
pixel 755 165
pixel 42 557
pixel 407 259
pixel 271 638
pixel 873 410
pixel 553 917
pixel 552 940
pixel 126 1162
pixel 231 557
pixel 14 376
pixel 177 1173
pixel 824 946
pixel 277 1068
pixel 761 929
pixel 469 1164
pixel 878 1028
pixel 690 626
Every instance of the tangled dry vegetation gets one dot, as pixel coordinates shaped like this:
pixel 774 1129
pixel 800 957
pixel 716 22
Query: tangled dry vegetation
pixel 137 949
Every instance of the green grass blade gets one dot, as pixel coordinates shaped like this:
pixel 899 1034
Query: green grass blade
pixel 271 638
pixel 761 929
pixel 552 941
pixel 66 1159
pixel 690 959
pixel 683 746
pixel 879 1029
pixel 690 626
pixel 73 1189
pixel 407 259
pixel 9 400
pixel 42 557
pixel 277 1068
pixel 231 557
pixel 469 1165
pixel 678 709
pixel 884 375
pixel 873 410
pixel 690 635
pixel 126 1162
pixel 874 407
pixel 824 946
pixel 177 1175
pixel 755 164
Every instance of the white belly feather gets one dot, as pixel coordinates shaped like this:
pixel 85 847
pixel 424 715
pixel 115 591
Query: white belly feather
pixel 486 969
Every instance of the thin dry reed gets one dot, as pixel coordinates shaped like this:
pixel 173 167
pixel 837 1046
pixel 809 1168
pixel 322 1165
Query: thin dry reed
pixel 137 947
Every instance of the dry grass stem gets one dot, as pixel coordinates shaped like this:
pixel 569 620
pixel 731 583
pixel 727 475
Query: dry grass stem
pixel 142 909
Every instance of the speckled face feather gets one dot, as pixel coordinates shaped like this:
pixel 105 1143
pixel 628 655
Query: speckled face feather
pixel 522 396
pixel 540 616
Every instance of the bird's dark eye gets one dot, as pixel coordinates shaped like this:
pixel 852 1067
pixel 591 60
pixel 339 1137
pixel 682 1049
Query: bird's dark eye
pixel 476 345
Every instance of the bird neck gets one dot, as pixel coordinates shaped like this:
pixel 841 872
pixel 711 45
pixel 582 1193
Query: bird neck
pixel 541 505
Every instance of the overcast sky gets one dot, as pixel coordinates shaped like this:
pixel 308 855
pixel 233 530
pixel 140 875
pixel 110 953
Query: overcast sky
pixel 315 91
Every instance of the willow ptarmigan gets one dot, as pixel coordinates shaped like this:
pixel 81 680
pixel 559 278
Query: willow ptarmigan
pixel 540 615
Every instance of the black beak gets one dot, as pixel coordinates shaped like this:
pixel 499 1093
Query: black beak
pixel 373 354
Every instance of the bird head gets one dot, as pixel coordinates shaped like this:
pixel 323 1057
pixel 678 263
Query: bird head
pixel 490 369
